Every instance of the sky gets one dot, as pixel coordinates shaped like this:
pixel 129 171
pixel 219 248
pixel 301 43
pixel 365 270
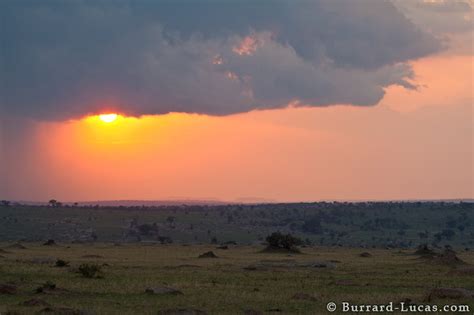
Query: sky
pixel 236 100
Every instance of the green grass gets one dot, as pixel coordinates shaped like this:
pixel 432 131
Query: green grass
pixel 218 286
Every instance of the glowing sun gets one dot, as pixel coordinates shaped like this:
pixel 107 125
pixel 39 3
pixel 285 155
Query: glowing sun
pixel 108 118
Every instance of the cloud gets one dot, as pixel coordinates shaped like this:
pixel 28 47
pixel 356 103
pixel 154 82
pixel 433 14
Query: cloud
pixel 67 59
pixel 440 17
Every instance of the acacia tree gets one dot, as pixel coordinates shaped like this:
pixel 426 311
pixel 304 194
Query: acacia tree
pixel 277 240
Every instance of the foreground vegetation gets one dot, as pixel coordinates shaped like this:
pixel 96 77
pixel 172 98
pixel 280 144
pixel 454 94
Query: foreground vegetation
pixel 241 280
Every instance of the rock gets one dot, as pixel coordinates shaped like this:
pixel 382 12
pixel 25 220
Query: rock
pixel 365 255
pixel 222 247
pixel 303 296
pixel 35 302
pixel 449 293
pixel 252 312
pixel 182 311
pixel 8 289
pixel 209 254
pixel 277 310
pixel 49 243
pixel 163 291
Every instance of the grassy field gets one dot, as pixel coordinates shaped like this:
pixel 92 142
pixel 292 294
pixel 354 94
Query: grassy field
pixel 379 224
pixel 241 279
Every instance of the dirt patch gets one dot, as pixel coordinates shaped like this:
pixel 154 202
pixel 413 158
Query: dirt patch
pixel 209 254
pixel 182 311
pixel 365 255
pixel 449 293
pixel 8 289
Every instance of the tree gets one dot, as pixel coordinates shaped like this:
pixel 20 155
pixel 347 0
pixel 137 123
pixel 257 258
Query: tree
pixel 53 203
pixel 171 221
pixel 313 225
pixel 278 240
pixel 5 203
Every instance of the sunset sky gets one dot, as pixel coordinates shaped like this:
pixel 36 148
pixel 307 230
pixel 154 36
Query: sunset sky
pixel 237 100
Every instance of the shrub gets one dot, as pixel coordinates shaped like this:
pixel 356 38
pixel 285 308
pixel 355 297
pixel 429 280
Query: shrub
pixel 47 286
pixel 61 263
pixel 165 240
pixel 91 271
pixel 278 240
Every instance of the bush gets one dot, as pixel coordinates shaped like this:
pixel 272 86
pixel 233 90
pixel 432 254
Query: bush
pixel 47 286
pixel 90 271
pixel 312 225
pixel 288 242
pixel 165 240
pixel 61 263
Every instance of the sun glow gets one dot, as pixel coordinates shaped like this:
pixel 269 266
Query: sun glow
pixel 108 118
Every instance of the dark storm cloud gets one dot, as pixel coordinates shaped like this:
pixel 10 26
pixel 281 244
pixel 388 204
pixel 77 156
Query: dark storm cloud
pixel 440 17
pixel 64 59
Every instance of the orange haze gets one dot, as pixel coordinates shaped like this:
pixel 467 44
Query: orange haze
pixel 414 144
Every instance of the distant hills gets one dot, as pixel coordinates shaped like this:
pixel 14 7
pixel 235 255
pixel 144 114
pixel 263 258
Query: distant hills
pixel 190 201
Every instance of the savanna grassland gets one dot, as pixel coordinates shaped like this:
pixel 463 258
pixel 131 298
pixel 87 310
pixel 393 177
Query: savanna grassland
pixel 242 280
pixel 348 224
